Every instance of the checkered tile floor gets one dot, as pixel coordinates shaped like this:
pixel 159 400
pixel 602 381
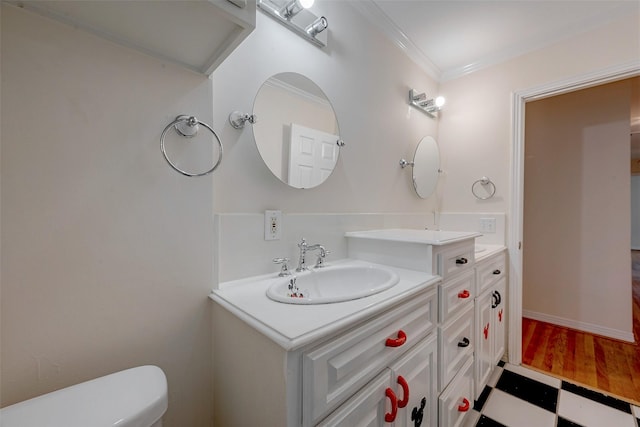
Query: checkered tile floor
pixel 519 397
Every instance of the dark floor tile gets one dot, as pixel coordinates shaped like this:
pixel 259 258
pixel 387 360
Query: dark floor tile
pixel 479 404
pixel 485 421
pixel 532 391
pixel 501 363
pixel 566 423
pixel 598 397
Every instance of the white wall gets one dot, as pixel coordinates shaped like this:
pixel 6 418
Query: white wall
pixel 106 251
pixel 366 78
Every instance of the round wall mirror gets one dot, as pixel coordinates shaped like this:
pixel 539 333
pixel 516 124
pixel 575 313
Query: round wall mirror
pixel 426 167
pixel 296 130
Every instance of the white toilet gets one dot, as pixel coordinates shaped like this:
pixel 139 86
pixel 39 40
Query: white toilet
pixel 135 397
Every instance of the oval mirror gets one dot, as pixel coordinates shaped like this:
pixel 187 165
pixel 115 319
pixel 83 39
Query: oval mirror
pixel 296 130
pixel 426 167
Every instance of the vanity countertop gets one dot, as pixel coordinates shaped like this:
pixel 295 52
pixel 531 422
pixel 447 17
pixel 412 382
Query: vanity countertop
pixel 428 237
pixel 292 326
pixel 485 251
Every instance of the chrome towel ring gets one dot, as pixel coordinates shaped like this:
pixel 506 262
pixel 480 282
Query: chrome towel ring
pixel 487 184
pixel 188 127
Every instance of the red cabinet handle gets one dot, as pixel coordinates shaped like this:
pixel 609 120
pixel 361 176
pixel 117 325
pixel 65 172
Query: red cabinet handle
pixel 391 417
pixel 405 392
pixel 464 294
pixel 486 332
pixel 465 405
pixel 397 342
pixel 500 315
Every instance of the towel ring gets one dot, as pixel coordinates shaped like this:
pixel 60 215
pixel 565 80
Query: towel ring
pixel 188 127
pixel 485 182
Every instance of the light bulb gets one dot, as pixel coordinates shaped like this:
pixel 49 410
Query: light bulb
pixel 440 101
pixel 306 3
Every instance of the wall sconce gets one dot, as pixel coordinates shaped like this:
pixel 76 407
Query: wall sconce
pixel 295 15
pixel 428 106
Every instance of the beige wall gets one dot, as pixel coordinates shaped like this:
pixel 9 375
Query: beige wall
pixel 475 127
pixel 577 210
pixel 106 251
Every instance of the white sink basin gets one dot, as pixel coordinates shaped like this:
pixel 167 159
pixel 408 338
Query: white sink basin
pixel 332 284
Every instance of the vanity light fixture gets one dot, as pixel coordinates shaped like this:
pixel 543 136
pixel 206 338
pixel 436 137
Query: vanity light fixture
pixel 429 106
pixel 294 7
pixel 295 15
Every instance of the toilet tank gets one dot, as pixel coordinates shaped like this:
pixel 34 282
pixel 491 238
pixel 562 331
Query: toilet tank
pixel 135 397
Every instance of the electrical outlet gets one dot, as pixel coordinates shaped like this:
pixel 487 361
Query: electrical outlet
pixel 272 225
pixel 487 225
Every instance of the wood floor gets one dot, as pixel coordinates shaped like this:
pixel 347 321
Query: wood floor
pixel 591 360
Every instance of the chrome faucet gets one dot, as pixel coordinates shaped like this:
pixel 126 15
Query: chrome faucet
pixel 304 247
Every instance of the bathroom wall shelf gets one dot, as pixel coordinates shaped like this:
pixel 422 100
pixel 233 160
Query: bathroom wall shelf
pixel 197 35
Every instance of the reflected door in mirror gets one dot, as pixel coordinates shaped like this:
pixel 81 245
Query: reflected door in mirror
pixel 312 156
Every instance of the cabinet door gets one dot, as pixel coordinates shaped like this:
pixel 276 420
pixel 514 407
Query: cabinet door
pixel 500 320
pixel 368 407
pixel 485 340
pixel 414 377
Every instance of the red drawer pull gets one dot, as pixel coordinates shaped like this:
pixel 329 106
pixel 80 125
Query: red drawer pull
pixel 486 332
pixel 500 315
pixel 465 405
pixel 405 392
pixel 391 417
pixel 464 294
pixel 397 342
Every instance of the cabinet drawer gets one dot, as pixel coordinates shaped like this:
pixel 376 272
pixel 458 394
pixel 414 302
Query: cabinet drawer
pixel 455 295
pixel 490 271
pixel 336 370
pixel 455 345
pixel 455 258
pixel 457 400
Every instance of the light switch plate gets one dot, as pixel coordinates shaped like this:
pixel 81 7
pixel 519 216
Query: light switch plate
pixel 487 225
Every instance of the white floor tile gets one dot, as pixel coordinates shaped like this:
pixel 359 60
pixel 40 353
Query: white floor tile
pixel 636 411
pixel 495 376
pixel 534 375
pixel 591 414
pixel 511 411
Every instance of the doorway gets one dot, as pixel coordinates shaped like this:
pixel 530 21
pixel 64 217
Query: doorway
pixel 515 240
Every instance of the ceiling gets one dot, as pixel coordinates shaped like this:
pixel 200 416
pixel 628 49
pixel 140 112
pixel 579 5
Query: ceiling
pixel 450 38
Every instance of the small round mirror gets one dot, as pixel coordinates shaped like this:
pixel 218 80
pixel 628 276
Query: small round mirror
pixel 296 131
pixel 426 167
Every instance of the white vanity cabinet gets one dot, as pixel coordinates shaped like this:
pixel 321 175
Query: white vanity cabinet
pixel 375 371
pixel 456 330
pixel 402 395
pixel 450 255
pixel 335 370
pixel 490 314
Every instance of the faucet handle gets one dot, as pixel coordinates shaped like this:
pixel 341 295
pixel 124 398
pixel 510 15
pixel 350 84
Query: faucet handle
pixel 284 271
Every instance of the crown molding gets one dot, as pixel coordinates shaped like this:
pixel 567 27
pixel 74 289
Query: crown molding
pixel 379 19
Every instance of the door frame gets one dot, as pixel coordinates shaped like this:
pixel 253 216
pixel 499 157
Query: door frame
pixel 515 232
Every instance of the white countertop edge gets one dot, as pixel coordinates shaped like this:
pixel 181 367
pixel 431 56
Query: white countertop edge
pixel 386 234
pixel 325 330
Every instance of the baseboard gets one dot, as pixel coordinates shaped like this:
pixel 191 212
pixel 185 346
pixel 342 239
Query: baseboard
pixel 580 326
